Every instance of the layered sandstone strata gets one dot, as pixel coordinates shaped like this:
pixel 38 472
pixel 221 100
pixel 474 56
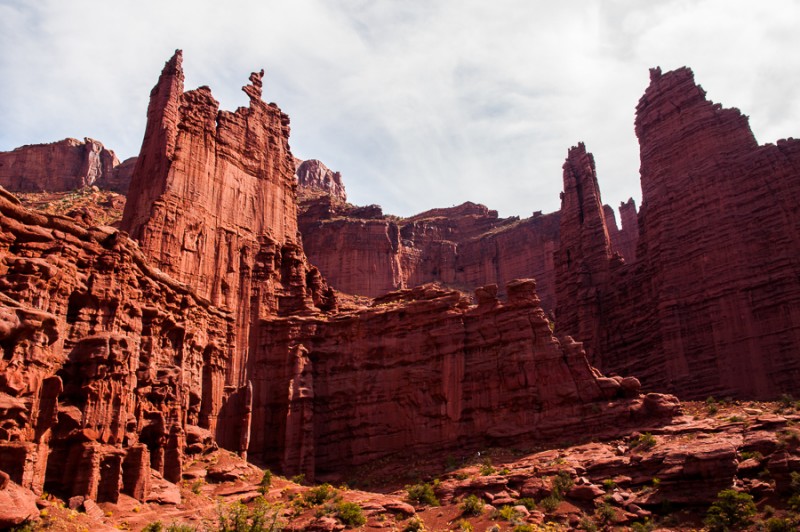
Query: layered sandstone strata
pixel 212 204
pixel 361 251
pixel 425 371
pixel 64 165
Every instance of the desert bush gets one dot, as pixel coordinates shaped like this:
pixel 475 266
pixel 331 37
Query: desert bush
pixel 731 510
pixel 464 526
pixel 487 468
pixel 645 441
pixel 507 513
pixel 472 505
pixel 319 494
pixel 549 503
pixel 266 482
pixel 237 517
pixel 776 524
pixel 350 514
pixel 527 502
pixel 414 524
pixel 562 482
pixel 422 493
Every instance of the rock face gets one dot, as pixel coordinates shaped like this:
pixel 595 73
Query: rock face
pixel 120 359
pixel 584 257
pixel 212 204
pixel 423 371
pixel 710 306
pixel 64 165
pixel 313 175
pixel 361 251
pixel 105 363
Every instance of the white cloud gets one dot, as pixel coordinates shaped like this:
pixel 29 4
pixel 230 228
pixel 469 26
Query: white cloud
pixel 419 104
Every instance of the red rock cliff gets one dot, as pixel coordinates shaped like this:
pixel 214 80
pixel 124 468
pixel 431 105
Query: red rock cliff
pixel 313 175
pixel 64 165
pixel 118 358
pixel 361 251
pixel 212 204
pixel 108 366
pixel 425 371
pixel 711 305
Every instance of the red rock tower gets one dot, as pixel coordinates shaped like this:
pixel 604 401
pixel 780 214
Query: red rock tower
pixel 212 204
pixel 582 263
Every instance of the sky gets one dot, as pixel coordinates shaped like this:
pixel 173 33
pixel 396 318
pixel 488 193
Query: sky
pixel 418 103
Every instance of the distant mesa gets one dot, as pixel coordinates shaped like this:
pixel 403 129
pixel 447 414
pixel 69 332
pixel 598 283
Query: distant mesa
pixel 64 165
pixel 312 175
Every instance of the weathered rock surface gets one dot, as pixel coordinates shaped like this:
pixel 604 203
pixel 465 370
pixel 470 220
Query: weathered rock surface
pixel 64 165
pixel 361 251
pixel 312 175
pixel 424 371
pixel 212 204
pixel 105 359
pixel 17 504
pixel 710 306
pixel 120 359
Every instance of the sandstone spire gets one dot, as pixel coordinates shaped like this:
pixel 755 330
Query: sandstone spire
pixel 584 255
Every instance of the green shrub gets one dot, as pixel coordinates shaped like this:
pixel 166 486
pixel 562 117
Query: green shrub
pixel 731 510
pixel 524 528
pixel 605 513
pixel 197 486
pixel 319 494
pixel 794 500
pixel 587 524
pixel 776 524
pixel 155 526
pixel 299 479
pixel 487 468
pixel 422 493
pixel 237 517
pixel 711 406
pixel 175 527
pixel 747 455
pixel 472 505
pixel 562 482
pixel 786 401
pixel 645 526
pixel 550 503
pixel 350 514
pixel 414 524
pixel 645 441
pixel 464 526
pixel 507 513
pixel 609 484
pixel 266 482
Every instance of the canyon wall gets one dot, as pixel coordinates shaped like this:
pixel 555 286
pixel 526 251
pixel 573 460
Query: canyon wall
pixel 64 165
pixel 122 358
pixel 711 306
pixel 425 371
pixel 107 365
pixel 362 251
